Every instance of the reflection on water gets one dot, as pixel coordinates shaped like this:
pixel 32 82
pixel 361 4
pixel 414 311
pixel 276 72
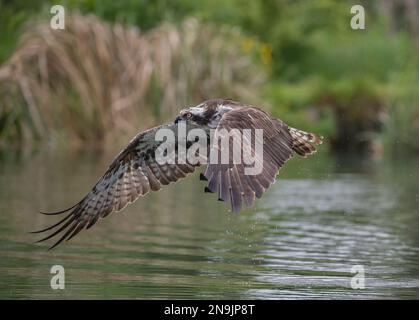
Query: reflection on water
pixel 319 220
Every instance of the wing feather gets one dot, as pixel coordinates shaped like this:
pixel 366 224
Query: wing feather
pixel 230 180
pixel 133 173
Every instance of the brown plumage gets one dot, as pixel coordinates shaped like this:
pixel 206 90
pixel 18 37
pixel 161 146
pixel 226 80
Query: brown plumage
pixel 135 171
pixel 302 141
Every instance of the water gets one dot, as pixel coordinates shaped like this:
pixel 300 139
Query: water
pixel 320 219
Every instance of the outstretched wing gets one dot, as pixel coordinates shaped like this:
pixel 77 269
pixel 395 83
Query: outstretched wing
pixel 133 173
pixel 230 180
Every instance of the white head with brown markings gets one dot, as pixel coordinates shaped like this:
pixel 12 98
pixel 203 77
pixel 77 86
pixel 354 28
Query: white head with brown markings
pixel 205 114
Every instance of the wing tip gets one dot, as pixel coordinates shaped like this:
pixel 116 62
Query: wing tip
pixel 54 213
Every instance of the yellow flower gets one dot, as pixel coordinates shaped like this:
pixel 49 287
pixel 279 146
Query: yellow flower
pixel 266 54
pixel 248 45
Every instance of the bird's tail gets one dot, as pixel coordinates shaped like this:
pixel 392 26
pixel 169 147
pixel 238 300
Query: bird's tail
pixel 303 141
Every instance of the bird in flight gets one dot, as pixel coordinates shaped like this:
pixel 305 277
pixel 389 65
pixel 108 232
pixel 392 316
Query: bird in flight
pixel 136 170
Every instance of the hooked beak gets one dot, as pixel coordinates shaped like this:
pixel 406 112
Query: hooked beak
pixel 178 118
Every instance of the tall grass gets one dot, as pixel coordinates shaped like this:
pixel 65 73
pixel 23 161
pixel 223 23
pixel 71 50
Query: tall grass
pixel 93 81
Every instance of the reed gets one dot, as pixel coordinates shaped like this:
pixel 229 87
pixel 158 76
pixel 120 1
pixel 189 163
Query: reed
pixel 94 81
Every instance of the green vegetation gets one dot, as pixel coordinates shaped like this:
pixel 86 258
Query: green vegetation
pixel 356 87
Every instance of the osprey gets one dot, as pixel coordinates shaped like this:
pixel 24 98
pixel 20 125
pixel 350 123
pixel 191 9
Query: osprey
pixel 135 171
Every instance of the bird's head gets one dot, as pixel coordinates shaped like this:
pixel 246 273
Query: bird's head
pixel 208 113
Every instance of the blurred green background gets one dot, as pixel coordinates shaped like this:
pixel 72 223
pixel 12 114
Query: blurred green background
pixel 121 66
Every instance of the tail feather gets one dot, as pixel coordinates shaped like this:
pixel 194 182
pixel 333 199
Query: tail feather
pixel 303 141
